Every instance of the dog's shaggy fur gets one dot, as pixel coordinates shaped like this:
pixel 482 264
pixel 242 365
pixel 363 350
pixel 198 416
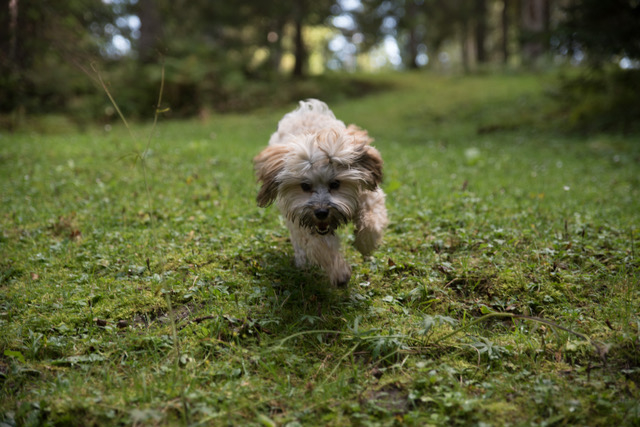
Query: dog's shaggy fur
pixel 323 174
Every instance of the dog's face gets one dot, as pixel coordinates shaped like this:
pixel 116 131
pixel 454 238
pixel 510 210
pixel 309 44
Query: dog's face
pixel 320 196
pixel 317 178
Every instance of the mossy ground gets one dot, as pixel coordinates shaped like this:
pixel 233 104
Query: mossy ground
pixel 158 293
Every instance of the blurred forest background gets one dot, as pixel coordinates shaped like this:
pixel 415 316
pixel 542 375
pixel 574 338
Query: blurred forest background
pixel 234 56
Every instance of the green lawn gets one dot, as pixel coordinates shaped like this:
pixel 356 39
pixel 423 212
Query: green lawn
pixel 176 301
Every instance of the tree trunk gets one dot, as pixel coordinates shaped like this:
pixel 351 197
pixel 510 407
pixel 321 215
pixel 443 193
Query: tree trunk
pixel 534 17
pixel 505 31
pixel 481 30
pixel 20 29
pixel 412 42
pixel 464 39
pixel 8 29
pixel 150 41
pixel 300 50
pixel 413 49
pixel 274 37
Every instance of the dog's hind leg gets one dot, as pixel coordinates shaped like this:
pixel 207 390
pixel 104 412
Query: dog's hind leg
pixel 371 221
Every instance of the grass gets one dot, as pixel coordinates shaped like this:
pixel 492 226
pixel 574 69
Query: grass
pixel 184 307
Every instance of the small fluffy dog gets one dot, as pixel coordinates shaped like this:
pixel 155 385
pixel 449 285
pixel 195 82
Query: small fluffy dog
pixel 323 174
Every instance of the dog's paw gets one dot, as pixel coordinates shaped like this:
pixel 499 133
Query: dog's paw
pixel 341 277
pixel 300 261
pixel 366 241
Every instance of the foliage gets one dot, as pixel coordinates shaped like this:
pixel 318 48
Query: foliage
pixel 605 30
pixel 223 58
pixel 601 100
pixel 167 297
pixel 603 96
pixel 194 89
pixel 419 26
pixel 42 45
pixel 226 57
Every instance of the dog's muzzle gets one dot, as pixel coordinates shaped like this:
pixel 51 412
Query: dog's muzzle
pixel 320 220
pixel 321 213
pixel 322 227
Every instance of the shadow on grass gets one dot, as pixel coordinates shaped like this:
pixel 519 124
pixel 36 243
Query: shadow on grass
pixel 303 299
pixel 269 295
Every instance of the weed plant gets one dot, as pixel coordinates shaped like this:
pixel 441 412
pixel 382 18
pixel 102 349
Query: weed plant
pixel 505 293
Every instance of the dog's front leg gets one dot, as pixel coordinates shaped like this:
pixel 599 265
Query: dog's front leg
pixel 299 240
pixel 325 252
pixel 371 221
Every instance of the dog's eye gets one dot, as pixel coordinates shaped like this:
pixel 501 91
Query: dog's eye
pixel 306 187
pixel 334 185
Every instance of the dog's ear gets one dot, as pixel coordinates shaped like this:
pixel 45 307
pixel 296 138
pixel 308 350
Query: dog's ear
pixel 267 165
pixel 370 161
pixel 359 135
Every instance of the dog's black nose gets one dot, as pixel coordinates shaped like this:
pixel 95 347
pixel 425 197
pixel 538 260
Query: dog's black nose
pixel 321 213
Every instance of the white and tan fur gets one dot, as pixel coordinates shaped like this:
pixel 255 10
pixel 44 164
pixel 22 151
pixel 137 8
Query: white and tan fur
pixel 323 174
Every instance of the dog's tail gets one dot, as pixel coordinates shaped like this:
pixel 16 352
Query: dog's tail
pixel 316 106
pixel 312 115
